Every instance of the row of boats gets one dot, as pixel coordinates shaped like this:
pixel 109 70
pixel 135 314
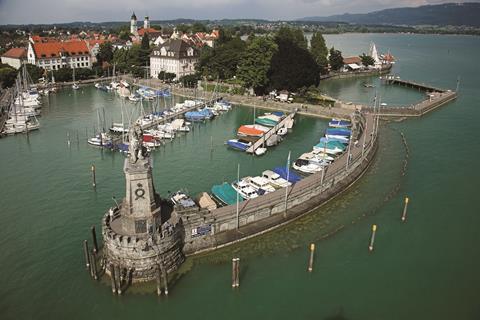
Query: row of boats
pixel 250 133
pixel 122 88
pixel 24 108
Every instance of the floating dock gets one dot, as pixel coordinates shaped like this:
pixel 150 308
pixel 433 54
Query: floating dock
pixel 270 133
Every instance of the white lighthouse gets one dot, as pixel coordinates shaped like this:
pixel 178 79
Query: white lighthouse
pixel 133 25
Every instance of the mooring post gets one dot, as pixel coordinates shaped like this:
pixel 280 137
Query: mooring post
pixel 68 138
pixel 237 273
pixel 310 261
pixel 118 271
pixel 165 279
pixel 94 179
pixel 93 260
pixel 94 237
pixel 404 214
pixel 234 269
pixel 372 238
pixel 159 281
pixel 112 278
pixel 85 253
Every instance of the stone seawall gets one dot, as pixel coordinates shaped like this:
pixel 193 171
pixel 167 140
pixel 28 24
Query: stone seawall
pixel 267 212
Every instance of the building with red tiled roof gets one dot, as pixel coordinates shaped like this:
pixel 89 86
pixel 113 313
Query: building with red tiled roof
pixel 59 54
pixel 94 47
pixel 14 57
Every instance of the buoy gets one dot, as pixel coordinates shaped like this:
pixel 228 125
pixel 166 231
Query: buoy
pixel 372 238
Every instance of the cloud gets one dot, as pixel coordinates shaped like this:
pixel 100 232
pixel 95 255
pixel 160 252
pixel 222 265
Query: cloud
pixel 54 11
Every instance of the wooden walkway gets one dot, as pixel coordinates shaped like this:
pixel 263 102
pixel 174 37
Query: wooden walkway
pixel 413 84
pixel 270 133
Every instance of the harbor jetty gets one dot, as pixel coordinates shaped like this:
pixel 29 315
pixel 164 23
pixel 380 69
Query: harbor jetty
pixel 6 99
pixel 260 142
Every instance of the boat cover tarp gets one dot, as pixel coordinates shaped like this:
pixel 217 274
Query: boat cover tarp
pixel 225 193
pixel 292 176
pixel 206 202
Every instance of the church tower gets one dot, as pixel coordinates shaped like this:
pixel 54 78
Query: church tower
pixel 133 25
pixel 146 23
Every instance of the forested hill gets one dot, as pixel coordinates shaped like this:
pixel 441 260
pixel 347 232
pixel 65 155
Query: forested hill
pixel 453 14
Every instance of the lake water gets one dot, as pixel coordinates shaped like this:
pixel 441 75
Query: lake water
pixel 426 268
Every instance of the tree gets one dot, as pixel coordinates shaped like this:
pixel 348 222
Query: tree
pixel 336 59
pixel 35 72
pixel 63 74
pixel 190 80
pixel 198 27
pixel 7 76
pixel 294 35
pixel 166 76
pixel 293 67
pixel 124 35
pixel 255 64
pixel 144 52
pixel 367 60
pixel 319 51
pixel 105 53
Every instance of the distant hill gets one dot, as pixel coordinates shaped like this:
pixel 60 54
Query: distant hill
pixel 453 14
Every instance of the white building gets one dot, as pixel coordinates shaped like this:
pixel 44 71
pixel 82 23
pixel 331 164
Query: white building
pixel 14 57
pixel 54 55
pixel 174 56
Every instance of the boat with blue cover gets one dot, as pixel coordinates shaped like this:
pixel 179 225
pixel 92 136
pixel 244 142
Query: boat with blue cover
pixel 338 123
pixel 225 193
pixel 342 140
pixel 239 144
pixel 332 147
pixel 292 176
pixel 339 132
pixel 201 115
pixel 266 122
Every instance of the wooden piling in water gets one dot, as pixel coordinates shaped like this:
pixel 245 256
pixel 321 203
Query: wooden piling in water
pixel 85 253
pixel 112 278
pixel 94 179
pixel 237 280
pixel 234 261
pixel 372 238
pixel 405 207
pixel 159 281
pixel 118 271
pixel 235 272
pixel 165 280
pixel 94 237
pixel 310 261
pixel 93 264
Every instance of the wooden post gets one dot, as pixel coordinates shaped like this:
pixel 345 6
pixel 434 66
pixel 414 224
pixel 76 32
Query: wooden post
pixel 310 261
pixel 85 253
pixel 165 280
pixel 94 237
pixel 404 214
pixel 112 278
pixel 237 273
pixel 159 281
pixel 234 269
pixel 93 264
pixel 118 271
pixel 94 179
pixel 372 238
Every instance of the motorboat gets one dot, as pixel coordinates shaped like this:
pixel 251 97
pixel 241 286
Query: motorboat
pixel 260 151
pixel 338 123
pixel 282 132
pixel 134 97
pixel 275 179
pixel 180 198
pixel 100 140
pixel 226 194
pixel 252 130
pixel 260 183
pixel 244 189
pixel 305 166
pixel 287 174
pixel 239 144
pixel 118 128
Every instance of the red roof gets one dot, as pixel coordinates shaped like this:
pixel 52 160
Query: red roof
pixel 351 60
pixel 142 31
pixel 17 53
pixel 53 49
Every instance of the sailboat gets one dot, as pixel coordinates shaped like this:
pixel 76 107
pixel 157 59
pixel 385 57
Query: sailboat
pixel 75 86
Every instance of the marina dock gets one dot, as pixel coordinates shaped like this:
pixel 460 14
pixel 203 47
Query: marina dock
pixel 5 101
pixel 436 97
pixel 270 133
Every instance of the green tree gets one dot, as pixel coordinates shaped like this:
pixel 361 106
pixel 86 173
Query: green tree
pixel 293 67
pixel 7 76
pixel 255 64
pixel 189 80
pixel 124 35
pixel 319 51
pixel 144 52
pixel 63 74
pixel 367 60
pixel 166 76
pixel 105 53
pixel 336 59
pixel 198 27
pixel 184 28
pixel 294 35
pixel 35 72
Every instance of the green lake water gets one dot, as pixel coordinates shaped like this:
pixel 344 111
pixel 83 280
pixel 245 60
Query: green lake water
pixel 426 268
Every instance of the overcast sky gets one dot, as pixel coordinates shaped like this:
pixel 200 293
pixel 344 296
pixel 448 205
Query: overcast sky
pixel 54 11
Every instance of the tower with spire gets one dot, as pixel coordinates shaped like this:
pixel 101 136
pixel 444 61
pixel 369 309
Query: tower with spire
pixel 146 23
pixel 133 24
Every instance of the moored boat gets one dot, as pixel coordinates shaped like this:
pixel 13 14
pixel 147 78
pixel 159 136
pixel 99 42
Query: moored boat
pixel 225 193
pixel 239 144
pixel 338 123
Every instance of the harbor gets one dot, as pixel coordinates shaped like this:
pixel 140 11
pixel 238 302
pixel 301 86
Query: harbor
pixel 273 256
